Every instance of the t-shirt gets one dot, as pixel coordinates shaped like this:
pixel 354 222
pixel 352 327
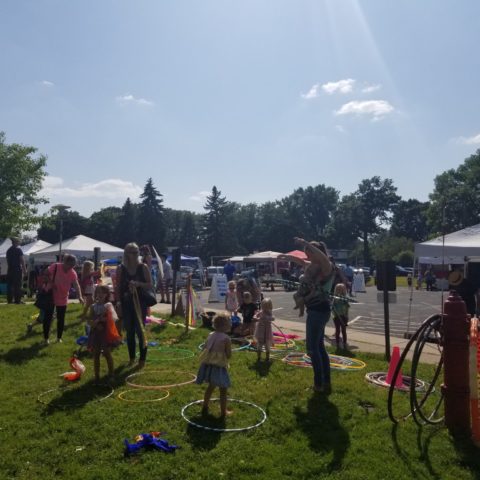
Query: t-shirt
pixel 62 283
pixel 14 256
pixel 229 270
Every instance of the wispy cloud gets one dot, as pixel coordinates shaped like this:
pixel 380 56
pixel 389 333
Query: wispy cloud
pixel 47 83
pixel 377 109
pixel 474 140
pixel 312 93
pixel 110 188
pixel 200 196
pixel 340 128
pixel 129 99
pixel 342 86
pixel 371 88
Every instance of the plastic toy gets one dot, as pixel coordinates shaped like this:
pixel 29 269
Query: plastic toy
pixel 149 441
pixel 78 367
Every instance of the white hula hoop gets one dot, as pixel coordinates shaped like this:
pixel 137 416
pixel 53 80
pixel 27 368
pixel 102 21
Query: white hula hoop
pixel 212 429
pixel 73 404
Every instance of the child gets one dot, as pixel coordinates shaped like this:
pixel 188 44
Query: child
pixel 263 329
pixel 247 309
pixel 103 334
pixel 340 306
pixel 214 358
pixel 306 289
pixel 231 302
pixel 87 284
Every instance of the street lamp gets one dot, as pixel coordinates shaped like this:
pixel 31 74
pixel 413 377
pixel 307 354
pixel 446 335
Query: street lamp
pixel 61 209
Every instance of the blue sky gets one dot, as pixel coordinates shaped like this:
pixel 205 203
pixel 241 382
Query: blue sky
pixel 256 97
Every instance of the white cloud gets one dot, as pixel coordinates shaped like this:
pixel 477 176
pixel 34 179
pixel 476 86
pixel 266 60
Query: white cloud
pixel 371 88
pixel 129 99
pixel 312 93
pixel 340 128
pixel 376 108
pixel 474 140
pixel 47 83
pixel 200 196
pixel 110 188
pixel 342 86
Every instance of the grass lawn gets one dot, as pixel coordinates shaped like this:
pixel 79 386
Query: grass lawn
pixel 305 435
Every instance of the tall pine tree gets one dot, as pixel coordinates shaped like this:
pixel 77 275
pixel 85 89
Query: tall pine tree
pixel 127 224
pixel 151 225
pixel 215 227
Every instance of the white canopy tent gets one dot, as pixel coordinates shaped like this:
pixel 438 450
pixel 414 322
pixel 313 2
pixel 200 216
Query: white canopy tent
pixel 27 250
pixel 80 246
pixel 264 257
pixel 451 249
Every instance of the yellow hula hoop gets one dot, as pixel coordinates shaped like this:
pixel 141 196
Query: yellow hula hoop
pixel 157 387
pixel 120 396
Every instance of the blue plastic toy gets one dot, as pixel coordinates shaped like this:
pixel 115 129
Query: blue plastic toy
pixel 149 441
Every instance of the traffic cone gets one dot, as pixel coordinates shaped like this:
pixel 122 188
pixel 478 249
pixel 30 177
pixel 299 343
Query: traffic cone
pixel 392 367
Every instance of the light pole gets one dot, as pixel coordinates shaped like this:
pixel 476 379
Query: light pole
pixel 61 209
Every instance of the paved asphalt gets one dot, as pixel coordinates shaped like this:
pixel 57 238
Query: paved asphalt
pixel 368 314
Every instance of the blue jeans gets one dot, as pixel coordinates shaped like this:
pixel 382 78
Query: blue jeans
pixel 316 322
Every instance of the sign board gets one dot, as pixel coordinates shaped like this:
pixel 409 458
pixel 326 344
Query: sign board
pixel 392 297
pixel 218 290
pixel 386 276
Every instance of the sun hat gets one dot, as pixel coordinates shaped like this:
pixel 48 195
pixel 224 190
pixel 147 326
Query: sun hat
pixel 455 278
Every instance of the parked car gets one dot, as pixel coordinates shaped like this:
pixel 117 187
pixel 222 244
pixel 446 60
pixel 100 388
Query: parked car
pixel 213 271
pixel 400 271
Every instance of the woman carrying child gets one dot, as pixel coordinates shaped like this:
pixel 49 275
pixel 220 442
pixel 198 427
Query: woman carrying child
pixel 340 306
pixel 103 332
pixel 263 329
pixel 214 363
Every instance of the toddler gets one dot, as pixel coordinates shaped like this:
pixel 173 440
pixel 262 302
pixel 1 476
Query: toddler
pixel 340 306
pixel 103 332
pixel 306 289
pixel 87 284
pixel 263 329
pixel 214 363
pixel 247 309
pixel 231 301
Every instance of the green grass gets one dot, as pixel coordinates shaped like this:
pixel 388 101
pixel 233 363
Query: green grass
pixel 305 436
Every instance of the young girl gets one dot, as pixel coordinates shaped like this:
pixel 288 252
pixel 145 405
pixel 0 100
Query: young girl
pixel 87 284
pixel 263 329
pixel 103 334
pixel 247 309
pixel 340 306
pixel 231 301
pixel 213 369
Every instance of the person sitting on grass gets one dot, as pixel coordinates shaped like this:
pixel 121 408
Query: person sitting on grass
pixel 340 306
pixel 263 329
pixel 103 332
pixel 214 363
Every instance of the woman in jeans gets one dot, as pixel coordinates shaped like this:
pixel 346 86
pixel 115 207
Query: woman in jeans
pixel 133 276
pixel 317 304
pixel 61 276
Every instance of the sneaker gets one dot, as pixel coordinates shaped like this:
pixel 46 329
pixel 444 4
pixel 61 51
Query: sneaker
pixel 59 340
pixel 46 341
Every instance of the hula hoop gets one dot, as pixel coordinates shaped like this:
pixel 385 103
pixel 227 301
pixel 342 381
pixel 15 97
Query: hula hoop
pixel 120 396
pixel 213 429
pixel 289 359
pixel 157 387
pixel 159 350
pixel 76 404
pixel 379 379
pixel 246 346
pixel 338 362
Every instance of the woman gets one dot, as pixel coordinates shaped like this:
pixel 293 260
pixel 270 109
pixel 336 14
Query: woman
pixel 132 277
pixel 318 310
pixel 61 276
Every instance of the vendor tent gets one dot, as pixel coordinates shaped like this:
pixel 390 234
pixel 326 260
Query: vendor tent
pixel 298 254
pixel 35 246
pixel 265 257
pixel 450 249
pixel 80 246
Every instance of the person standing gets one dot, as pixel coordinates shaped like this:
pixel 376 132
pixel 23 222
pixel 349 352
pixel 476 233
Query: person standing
pixel 15 272
pixel 165 281
pixel 133 276
pixel 318 313
pixel 61 277
pixel 348 271
pixel 229 270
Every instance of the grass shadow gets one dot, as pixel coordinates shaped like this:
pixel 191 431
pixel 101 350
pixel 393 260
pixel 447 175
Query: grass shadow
pixel 203 439
pixel 18 355
pixel 470 455
pixel 320 422
pixel 261 367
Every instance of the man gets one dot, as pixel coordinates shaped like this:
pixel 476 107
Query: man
pixel 348 271
pixel 165 282
pixel 15 272
pixel 229 270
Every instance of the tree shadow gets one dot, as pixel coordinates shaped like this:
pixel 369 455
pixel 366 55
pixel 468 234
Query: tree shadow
pixel 19 355
pixel 321 424
pixel 201 438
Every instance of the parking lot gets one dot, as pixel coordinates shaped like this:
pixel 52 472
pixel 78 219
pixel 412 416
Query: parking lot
pixel 367 314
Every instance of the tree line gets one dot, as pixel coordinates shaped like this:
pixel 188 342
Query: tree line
pixel 373 222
